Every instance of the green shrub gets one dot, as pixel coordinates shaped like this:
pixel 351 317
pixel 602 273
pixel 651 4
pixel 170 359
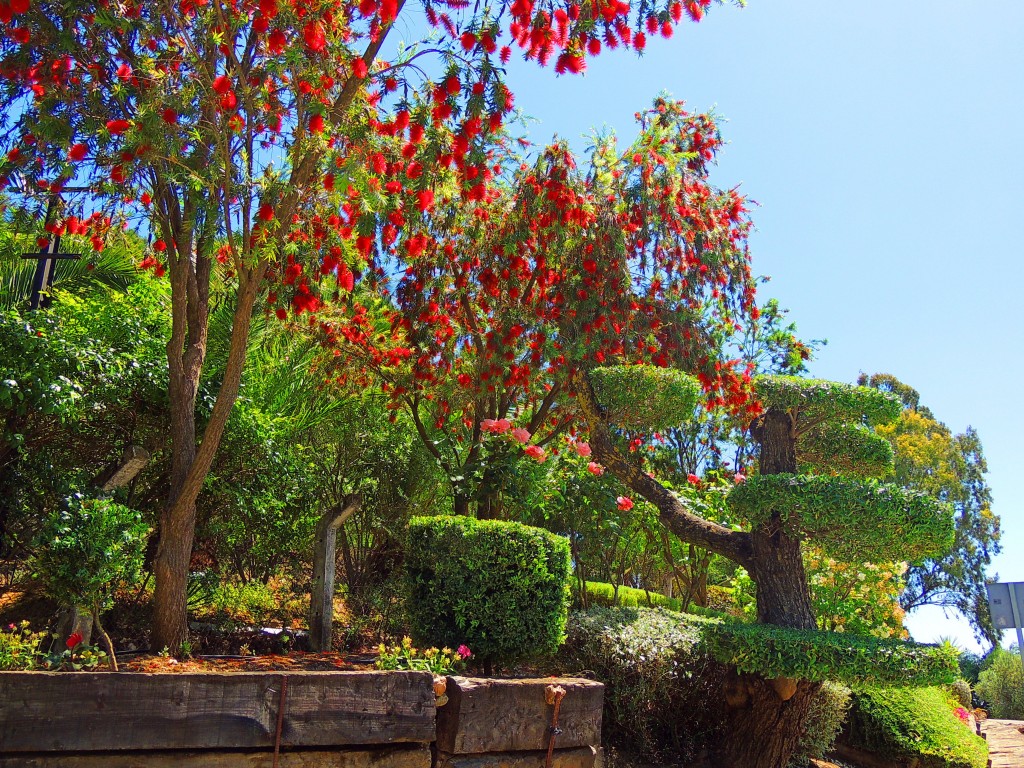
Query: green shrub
pixel 960 690
pixel 600 593
pixel 855 660
pixel 914 723
pixel 663 697
pixel 645 397
pixel 824 721
pixel 1001 684
pixel 20 647
pixel 88 549
pixel 500 588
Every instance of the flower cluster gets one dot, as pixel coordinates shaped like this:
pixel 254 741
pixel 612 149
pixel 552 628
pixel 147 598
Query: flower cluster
pixel 405 655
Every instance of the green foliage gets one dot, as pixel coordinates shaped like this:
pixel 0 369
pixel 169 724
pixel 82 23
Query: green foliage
pixel 1001 684
pixel 825 719
pixel 819 400
pixel 845 449
pixel 404 655
pixel 914 723
pixel 852 520
pixel 663 697
pixel 87 549
pixel 500 588
pixel 645 397
pixel 772 651
pixel 960 690
pixel 930 458
pixel 605 594
pixel 19 647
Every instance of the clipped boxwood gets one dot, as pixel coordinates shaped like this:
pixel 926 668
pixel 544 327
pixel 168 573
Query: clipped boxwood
pixel 828 400
pixel 914 723
pixel 500 588
pixel 809 654
pixel 846 449
pixel 645 397
pixel 852 520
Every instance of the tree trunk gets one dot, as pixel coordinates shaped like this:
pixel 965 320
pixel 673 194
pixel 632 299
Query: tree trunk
pixel 321 599
pixel 766 728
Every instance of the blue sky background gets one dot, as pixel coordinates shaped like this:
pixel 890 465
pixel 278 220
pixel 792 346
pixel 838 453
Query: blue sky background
pixel 883 143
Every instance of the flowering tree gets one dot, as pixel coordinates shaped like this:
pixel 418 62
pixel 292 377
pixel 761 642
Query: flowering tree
pixel 270 143
pixel 633 257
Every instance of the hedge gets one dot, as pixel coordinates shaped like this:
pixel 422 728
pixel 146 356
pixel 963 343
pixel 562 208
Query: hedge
pixel 914 723
pixel 853 520
pixel 845 449
pixel 500 588
pixel 827 400
pixel 645 397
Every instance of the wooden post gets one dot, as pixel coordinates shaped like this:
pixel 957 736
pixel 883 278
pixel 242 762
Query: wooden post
pixel 321 599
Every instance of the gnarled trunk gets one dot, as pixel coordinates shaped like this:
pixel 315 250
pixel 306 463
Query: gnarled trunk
pixel 321 599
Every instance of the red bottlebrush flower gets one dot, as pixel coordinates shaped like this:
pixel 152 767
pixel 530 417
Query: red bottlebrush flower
pixel 276 42
pixel 74 640
pixel 464 379
pixel 505 55
pixel 315 37
pixel 359 68
pixel 117 174
pixel 266 212
pixel 346 279
pixel 329 182
pixel 468 41
pixel 624 503
pixel 639 41
pixel 78 152
pixel 159 246
pixel 452 86
pixel 282 313
pixel 146 198
pixel 593 46
pixel 222 84
pixel 268 8
pixel 425 199
pixel 316 124
pixel 117 127
pixel 124 72
pixel 19 6
pixel 169 116
pixel 229 100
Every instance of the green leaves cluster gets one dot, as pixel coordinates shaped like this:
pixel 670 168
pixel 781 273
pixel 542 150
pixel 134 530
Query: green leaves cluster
pixel 500 588
pixel 845 449
pixel 853 520
pixel 88 549
pixel 821 400
pixel 853 660
pixel 645 397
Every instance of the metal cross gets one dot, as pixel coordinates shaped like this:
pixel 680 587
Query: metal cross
pixel 46 261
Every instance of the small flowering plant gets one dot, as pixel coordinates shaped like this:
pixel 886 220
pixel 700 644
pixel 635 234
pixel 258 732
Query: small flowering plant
pixel 963 714
pixel 77 656
pixel 443 661
pixel 19 647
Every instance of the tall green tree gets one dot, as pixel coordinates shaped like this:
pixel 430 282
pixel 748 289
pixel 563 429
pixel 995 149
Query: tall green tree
pixel 951 467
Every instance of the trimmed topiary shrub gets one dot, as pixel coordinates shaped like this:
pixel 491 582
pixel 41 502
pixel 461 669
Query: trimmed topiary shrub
pixel 645 397
pixel 500 588
pixel 913 723
pixel 805 654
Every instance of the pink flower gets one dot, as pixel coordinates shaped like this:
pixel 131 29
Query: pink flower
pixel 489 425
pixel 464 652
pixel 502 425
pixel 583 449
pixel 521 435
pixel 535 452
pixel 595 469
pixel 739 477
pixel 625 503
pixel 693 479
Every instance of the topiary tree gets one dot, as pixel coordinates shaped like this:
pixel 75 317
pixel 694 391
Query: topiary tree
pixel 802 426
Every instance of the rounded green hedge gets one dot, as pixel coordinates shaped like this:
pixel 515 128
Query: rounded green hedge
pixel 845 449
pixel 500 588
pixel 828 400
pixel 645 397
pixel 852 520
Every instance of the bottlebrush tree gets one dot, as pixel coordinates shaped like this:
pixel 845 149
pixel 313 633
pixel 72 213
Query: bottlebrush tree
pixel 633 257
pixel 269 144
pixel 805 426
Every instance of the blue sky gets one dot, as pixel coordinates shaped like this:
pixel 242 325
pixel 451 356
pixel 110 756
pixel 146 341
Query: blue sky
pixel 882 141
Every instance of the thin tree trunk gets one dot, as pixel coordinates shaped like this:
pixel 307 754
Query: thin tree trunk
pixel 105 638
pixel 321 599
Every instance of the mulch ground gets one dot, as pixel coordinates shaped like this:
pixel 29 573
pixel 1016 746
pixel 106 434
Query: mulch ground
pixel 292 662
